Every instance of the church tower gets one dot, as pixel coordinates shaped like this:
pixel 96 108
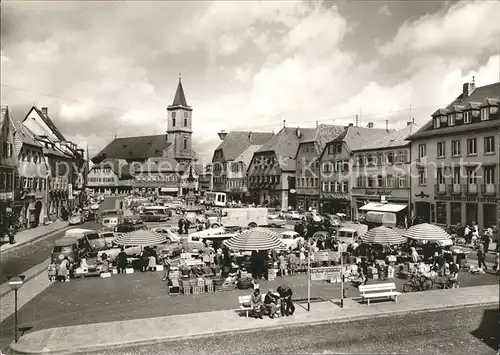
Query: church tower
pixel 179 126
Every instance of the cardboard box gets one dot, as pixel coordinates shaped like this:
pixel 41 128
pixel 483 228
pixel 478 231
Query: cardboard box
pixel 105 275
pixel 115 271
pixel 159 267
pixel 129 270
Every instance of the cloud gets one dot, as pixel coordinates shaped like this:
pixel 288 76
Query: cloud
pixel 467 28
pixel 111 68
pixel 385 11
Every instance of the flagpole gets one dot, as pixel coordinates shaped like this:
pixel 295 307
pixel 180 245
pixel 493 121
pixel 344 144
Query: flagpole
pixel 309 278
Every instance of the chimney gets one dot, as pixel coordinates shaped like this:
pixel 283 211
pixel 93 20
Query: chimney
pixel 413 120
pixel 370 124
pixel 409 123
pixel 222 135
pixel 350 125
pixel 45 111
pixel 284 123
pixel 357 120
pixel 387 125
pixel 317 123
pixel 250 136
pixel 468 88
pixel 298 133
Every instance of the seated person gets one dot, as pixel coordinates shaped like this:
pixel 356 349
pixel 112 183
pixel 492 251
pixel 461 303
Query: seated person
pixel 256 303
pixel 271 303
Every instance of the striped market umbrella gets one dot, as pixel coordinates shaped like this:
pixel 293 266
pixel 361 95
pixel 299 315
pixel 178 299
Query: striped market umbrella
pixel 141 237
pixel 383 236
pixel 426 231
pixel 255 239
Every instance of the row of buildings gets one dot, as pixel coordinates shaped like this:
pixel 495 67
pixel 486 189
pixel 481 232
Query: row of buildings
pixel 41 172
pixel 445 172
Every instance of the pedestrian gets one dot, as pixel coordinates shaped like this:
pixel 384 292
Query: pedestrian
pixel 166 267
pixel 481 257
pixel 11 233
pixel 282 265
pixel 181 225
pixel 96 218
pixel 475 234
pixel 467 235
pixel 186 226
pixel 287 307
pixel 121 261
pixel 487 240
pixel 52 272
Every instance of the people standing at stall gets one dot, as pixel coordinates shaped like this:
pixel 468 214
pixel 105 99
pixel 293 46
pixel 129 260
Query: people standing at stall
pixel 121 261
pixel 144 258
pixel 287 307
pixel 282 265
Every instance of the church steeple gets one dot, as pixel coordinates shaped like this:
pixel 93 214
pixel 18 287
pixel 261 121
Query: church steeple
pixel 180 97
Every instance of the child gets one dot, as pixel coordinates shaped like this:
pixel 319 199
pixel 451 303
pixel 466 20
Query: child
pixel 52 272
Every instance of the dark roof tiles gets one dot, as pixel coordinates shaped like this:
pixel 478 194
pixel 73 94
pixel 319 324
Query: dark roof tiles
pixel 180 97
pixel 391 140
pixel 134 148
pixel 236 142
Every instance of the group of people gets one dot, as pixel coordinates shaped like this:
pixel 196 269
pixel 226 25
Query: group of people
pixel 271 302
pixel 60 271
pixel 183 225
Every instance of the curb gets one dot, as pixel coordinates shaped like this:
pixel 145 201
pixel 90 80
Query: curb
pixel 18 245
pixel 169 339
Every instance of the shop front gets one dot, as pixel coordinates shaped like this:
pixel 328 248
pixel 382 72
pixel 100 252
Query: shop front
pixel 6 211
pixel 305 202
pixel 336 203
pixel 466 210
pixel 395 201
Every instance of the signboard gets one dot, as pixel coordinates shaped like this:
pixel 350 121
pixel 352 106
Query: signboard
pixel 325 273
pixel 6 196
pixel 467 199
pixel 325 256
pixel 70 191
pixel 378 192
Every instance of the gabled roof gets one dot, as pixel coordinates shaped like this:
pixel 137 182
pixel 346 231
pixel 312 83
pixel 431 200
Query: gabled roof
pixel 24 134
pixel 322 135
pixel 134 148
pixel 285 143
pixel 356 137
pixel 236 142
pixel 6 135
pixel 48 122
pixel 246 156
pixel 475 101
pixel 180 97
pixel 391 140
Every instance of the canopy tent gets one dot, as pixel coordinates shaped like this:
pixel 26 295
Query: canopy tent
pixel 426 231
pixel 383 207
pixel 255 239
pixel 141 237
pixel 383 236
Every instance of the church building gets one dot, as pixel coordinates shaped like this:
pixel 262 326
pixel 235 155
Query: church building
pixel 157 163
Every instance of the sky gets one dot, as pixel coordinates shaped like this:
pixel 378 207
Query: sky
pixel 107 69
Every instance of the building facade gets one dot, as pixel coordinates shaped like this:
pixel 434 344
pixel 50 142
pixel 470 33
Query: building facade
pixel 110 177
pixel 8 166
pixel 206 181
pixel 381 171
pixel 336 178
pixel 457 160
pixel 308 166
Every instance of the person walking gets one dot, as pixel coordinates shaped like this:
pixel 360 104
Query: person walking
pixel 282 265
pixel 166 268
pixel 481 257
pixel 487 240
pixel 181 225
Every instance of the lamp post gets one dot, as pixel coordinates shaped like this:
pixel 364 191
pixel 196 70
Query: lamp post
pixel 15 284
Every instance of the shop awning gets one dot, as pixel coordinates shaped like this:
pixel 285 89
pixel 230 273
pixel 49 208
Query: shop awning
pixel 383 207
pixel 169 189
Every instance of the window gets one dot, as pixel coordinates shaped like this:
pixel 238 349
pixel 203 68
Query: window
pixel 489 145
pixel 379 159
pixel 360 181
pixel 390 158
pixel 402 156
pixel 468 117
pixel 371 181
pixel 451 119
pixel 422 150
pixel 339 148
pixel 345 186
pixel 489 175
pixel 422 177
pixel 455 148
pixel 185 115
pixel 471 175
pixel 471 146
pixel 369 160
pixel 173 119
pixel 359 160
pixel 402 181
pixel 185 143
pixel 441 212
pixel 441 149
pixel 485 113
pixel 325 185
pixel 389 181
pixel 440 176
pixel 437 122
pixel 380 181
pixel 345 164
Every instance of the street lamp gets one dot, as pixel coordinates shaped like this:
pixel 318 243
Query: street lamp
pixel 15 284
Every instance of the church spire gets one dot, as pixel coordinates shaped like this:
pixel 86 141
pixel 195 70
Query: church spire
pixel 180 98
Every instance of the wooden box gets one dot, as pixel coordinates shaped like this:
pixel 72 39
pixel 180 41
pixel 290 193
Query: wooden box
pixel 105 275
pixel 210 288
pixel 186 289
pixel 197 290
pixel 159 268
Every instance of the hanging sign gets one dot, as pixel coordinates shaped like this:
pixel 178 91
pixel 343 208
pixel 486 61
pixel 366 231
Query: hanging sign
pixel 325 273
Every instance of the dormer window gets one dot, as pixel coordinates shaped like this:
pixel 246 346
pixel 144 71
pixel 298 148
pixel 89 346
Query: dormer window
pixel 485 113
pixel 437 122
pixel 451 119
pixel 467 117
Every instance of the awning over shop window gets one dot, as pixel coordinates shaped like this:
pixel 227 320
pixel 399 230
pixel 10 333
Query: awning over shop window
pixel 383 207
pixel 168 189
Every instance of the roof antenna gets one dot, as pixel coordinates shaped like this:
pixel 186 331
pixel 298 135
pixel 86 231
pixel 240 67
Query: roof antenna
pixel 180 76
pixel 473 79
pixel 115 135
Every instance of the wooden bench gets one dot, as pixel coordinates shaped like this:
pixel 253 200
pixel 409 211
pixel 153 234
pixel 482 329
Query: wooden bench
pixel 379 291
pixel 245 304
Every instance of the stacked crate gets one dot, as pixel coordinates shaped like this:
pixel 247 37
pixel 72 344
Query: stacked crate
pixel 199 286
pixel 209 285
pixel 372 273
pixel 185 286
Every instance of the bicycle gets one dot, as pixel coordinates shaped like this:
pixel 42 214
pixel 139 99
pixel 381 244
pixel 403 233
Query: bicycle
pixel 417 283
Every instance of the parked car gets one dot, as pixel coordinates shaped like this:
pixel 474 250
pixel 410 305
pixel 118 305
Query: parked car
pixel 75 219
pixel 127 227
pixel 275 221
pixel 312 218
pixel 291 239
pixel 332 220
pixel 293 215
pixel 168 233
pixel 150 216
pixel 132 219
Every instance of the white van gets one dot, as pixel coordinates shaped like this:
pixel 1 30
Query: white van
pixel 194 241
pixel 386 219
pixel 352 233
pixel 110 222
pixel 243 217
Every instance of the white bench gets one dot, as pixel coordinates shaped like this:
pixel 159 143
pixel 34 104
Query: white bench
pixel 379 291
pixel 245 304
